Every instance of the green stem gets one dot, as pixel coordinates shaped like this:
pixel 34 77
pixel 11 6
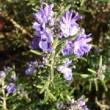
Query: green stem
pixel 52 70
pixel 4 95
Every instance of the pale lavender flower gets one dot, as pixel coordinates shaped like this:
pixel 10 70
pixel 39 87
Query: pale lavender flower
pixel 67 72
pixel 81 45
pixel 69 27
pixel 37 26
pixel 44 15
pixel 31 68
pixel 67 62
pixel 81 102
pixel 68 48
pixel 78 105
pixel 2 74
pixel 74 105
pixel 11 88
pixel 85 108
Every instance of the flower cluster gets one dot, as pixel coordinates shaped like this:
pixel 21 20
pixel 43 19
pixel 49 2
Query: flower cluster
pixel 78 105
pixel 74 105
pixel 9 78
pixel 43 35
pixel 48 27
pixel 80 46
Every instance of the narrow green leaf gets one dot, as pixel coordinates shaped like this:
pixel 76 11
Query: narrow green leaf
pixel 59 48
pixel 56 41
pixel 100 61
pixel 104 84
pixel 82 2
pixel 45 87
pixel 96 84
pixel 68 7
pixel 68 56
pixel 38 86
pixel 51 95
pixel 92 71
pixel 90 85
pixel 46 96
pixel 84 75
pixel 36 52
pixel 68 38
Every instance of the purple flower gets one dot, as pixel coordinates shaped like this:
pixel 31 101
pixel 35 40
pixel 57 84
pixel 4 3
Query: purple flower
pixel 44 38
pixel 46 41
pixel 37 26
pixel 78 104
pixel 2 74
pixel 31 68
pixel 67 62
pixel 11 88
pixel 41 64
pixel 68 48
pixel 67 72
pixel 35 43
pixel 85 108
pixel 44 15
pixel 81 45
pixel 81 102
pixel 69 27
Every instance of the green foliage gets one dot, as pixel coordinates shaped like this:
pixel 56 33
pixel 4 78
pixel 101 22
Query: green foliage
pixel 91 73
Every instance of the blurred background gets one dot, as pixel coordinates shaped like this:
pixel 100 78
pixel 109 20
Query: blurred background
pixel 16 33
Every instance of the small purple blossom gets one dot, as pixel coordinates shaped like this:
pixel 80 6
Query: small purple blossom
pixel 68 48
pixel 78 104
pixel 67 72
pixel 41 64
pixel 81 102
pixel 31 68
pixel 11 88
pixel 46 41
pixel 81 45
pixel 2 74
pixel 35 43
pixel 44 15
pixel 69 27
